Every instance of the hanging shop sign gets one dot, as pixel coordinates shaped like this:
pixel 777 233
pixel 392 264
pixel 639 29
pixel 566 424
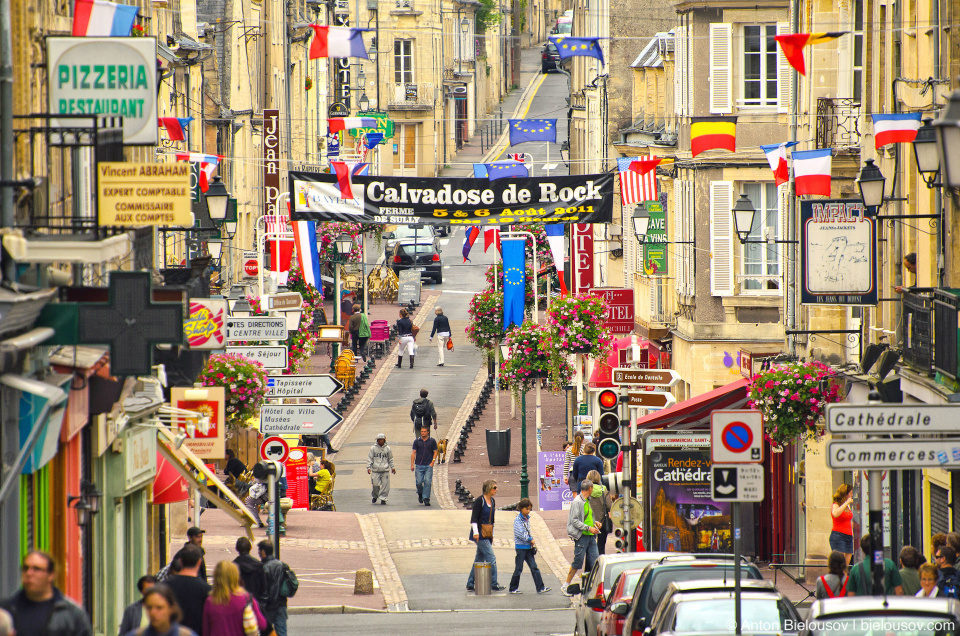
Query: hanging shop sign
pixel 271 160
pixel 139 194
pixel 205 328
pixel 338 109
pixel 384 124
pixel 341 78
pixel 655 240
pixel 838 256
pixel 405 200
pixel 619 308
pixel 209 445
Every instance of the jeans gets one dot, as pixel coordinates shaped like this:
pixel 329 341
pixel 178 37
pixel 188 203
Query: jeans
pixel 525 555
pixel 280 622
pixel 586 546
pixel 485 554
pixel 424 476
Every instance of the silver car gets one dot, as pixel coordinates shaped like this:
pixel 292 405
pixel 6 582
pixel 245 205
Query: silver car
pixel 591 601
pixel 868 615
pixel 707 607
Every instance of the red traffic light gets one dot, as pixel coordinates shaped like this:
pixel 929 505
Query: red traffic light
pixel 608 399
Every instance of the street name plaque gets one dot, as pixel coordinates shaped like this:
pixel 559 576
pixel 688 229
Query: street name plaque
pixel 257 328
pixel 877 419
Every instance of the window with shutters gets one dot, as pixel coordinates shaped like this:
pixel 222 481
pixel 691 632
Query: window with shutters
pixel 760 60
pixel 760 262
pixel 721 238
pixel 721 75
pixel 403 61
pixel 939 510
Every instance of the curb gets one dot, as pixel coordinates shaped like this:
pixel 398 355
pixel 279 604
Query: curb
pixel 444 498
pixel 333 609
pixel 385 569
pixel 527 98
pixel 549 548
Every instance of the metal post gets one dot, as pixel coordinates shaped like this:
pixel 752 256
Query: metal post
pixel 736 566
pixel 496 384
pixel 632 486
pixel 875 517
pixel 537 418
pixel 6 125
pixel 273 508
pixel 524 478
pixel 335 346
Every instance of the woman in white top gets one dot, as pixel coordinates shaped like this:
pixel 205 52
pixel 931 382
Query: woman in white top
pixel 928 581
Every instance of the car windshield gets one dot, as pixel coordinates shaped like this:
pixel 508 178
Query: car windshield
pixel 564 28
pixel 403 231
pixel 418 249
pixel 658 586
pixel 893 623
pixel 614 570
pixel 758 616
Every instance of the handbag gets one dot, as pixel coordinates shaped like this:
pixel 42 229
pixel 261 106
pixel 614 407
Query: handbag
pixel 449 344
pixel 250 627
pixel 486 529
pixel 606 526
pixel 533 550
pixel 414 330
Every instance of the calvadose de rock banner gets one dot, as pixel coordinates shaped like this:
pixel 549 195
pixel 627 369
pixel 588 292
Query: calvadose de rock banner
pixel 403 200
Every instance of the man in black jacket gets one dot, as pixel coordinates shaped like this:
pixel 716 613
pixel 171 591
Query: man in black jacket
pixel 251 570
pixel 423 412
pixel 39 607
pixel 274 604
pixel 194 538
pixel 191 591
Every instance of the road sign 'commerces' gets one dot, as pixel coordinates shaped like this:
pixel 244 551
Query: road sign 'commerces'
pixel 297 419
pixel 139 194
pixel 847 454
pixel 892 418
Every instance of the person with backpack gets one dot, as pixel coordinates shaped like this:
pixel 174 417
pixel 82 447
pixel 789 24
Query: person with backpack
pixel 833 584
pixel 423 412
pixel 281 584
pixel 949 582
pixel 861 575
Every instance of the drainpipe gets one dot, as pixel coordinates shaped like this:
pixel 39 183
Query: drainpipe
pixel 6 124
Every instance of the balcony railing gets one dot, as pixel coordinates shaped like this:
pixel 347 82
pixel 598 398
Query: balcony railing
pixel 946 303
pixel 838 122
pixel 412 97
pixel 917 326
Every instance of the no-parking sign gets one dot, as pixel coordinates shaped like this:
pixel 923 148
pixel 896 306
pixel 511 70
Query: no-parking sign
pixel 736 437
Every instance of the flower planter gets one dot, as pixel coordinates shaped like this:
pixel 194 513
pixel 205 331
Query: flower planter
pixel 498 447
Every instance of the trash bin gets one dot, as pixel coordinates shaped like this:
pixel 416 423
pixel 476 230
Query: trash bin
pixel 498 447
pixel 482 573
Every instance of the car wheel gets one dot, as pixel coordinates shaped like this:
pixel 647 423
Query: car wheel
pixel 439 278
pixel 544 69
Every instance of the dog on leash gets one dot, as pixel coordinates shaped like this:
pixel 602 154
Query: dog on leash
pixel 442 451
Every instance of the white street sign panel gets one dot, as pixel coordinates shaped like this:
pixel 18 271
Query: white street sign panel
pixel 297 419
pixel 274 449
pixel 736 482
pixel 645 377
pixel 294 386
pixel 257 328
pixel 873 419
pixel 270 357
pixel 736 437
pixel 846 454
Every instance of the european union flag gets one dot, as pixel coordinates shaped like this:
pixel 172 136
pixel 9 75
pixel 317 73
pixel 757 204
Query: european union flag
pixel 507 168
pixel 572 47
pixel 480 171
pixel 514 280
pixel 522 130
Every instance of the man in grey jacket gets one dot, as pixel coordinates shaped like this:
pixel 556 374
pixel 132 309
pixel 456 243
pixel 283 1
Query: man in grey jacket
pixel 582 529
pixel 39 607
pixel 379 467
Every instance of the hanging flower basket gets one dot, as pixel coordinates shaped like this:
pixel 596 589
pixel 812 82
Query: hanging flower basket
pixel 579 324
pixel 533 357
pixel 244 382
pixel 485 330
pixel 792 398
pixel 327 234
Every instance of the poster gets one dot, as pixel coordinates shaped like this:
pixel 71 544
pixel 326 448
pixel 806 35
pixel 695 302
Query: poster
pixel 209 445
pixel 681 517
pixel 554 493
pixel 405 200
pixel 655 240
pixel 838 255
pixel 205 327
pixel 297 483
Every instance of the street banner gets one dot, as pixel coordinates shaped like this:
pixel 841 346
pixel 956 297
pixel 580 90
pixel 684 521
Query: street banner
pixel 554 493
pixel 209 445
pixel 297 483
pixel 406 200
pixel 838 255
pixel 655 241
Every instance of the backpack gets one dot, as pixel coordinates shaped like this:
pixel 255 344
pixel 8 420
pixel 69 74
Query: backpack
pixel 830 594
pixel 289 584
pixel 421 410
pixel 949 586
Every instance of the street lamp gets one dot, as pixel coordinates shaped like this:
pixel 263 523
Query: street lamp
pixel 641 221
pixel 464 25
pixel 947 129
pixel 926 154
pixel 364 102
pixel 871 182
pixel 242 308
pixel 744 216
pixel 215 247
pixel 344 244
pixel 236 292
pixel 217 197
pixel 86 504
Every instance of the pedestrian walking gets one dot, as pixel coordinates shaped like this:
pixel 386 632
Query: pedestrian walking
pixel 600 503
pixel 164 614
pixel 582 530
pixel 359 328
pixel 407 342
pixel 584 464
pixel 928 581
pixel 526 549
pixel 481 533
pixel 910 577
pixel 191 592
pixel 949 581
pixel 421 461
pixel 276 573
pixel 379 466
pixel 441 329
pixel 39 607
pixel 224 610
pixel 423 412
pixel 861 575
pixel 251 569
pixel 364 336
pixel 834 583
pixel 572 450
pixel 133 616
pixel 841 536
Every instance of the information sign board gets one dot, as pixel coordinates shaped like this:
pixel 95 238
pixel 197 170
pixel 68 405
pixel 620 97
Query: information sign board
pixel 271 357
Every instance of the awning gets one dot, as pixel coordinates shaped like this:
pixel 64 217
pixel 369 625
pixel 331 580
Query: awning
pixel 188 463
pixel 695 412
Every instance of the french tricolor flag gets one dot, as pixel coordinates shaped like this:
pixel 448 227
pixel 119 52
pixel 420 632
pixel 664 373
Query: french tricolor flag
pixel 896 128
pixel 491 233
pixel 345 173
pixel 176 127
pixel 208 166
pixel 333 41
pixel 99 18
pixel 777 158
pixel 305 237
pixel 811 171
pixel 337 124
pixel 473 233
pixel 555 239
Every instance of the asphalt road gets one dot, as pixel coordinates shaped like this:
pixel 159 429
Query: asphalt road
pixel 455 623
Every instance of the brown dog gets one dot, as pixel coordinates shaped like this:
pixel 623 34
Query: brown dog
pixel 442 451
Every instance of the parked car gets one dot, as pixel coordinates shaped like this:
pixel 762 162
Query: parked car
pixel 618 603
pixel 865 615
pixel 420 255
pixel 549 58
pixel 592 599
pixel 689 608
pixel 678 567
pixel 401 232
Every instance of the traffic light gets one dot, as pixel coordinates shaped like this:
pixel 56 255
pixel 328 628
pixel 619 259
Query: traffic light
pixel 608 425
pixel 621 542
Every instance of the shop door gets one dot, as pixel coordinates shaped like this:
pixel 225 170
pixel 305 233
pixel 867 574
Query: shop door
pixel 405 150
pixel 461 125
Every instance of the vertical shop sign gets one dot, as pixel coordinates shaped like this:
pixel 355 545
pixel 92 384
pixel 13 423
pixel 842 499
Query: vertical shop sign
pixel 341 81
pixel 583 257
pixel 271 160
pixel 655 240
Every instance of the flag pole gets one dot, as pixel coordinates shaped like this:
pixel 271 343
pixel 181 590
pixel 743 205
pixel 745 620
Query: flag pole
pixel 496 352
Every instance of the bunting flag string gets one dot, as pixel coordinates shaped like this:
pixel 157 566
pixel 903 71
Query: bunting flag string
pixel 792 44
pixel 811 171
pixel 305 237
pixel 469 238
pixel 176 127
pixel 895 128
pixel 334 41
pixel 208 166
pixel 777 158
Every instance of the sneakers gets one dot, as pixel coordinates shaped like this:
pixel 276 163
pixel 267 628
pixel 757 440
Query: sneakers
pixel 426 502
pixel 470 589
pixel 516 592
pixel 383 502
pixel 374 500
pixel 420 497
pixel 565 591
pixel 497 588
pixel 545 590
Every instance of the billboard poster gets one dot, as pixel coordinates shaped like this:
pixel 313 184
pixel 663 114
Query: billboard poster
pixel 655 240
pixel 681 516
pixel 838 255
pixel 554 493
pixel 209 445
pixel 458 201
pixel 298 488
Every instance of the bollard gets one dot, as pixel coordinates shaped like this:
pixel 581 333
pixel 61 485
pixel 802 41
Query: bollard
pixel 482 574
pixel 363 583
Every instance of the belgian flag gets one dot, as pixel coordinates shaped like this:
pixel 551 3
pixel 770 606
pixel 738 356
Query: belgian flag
pixel 791 45
pixel 708 133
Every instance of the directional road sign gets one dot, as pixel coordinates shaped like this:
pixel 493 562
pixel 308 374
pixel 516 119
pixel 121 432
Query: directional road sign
pixel 294 386
pixel 271 357
pixel 875 419
pixel 274 449
pixel 257 328
pixel 297 419
pixel 645 377
pixel 847 454
pixel 736 482
pixel 285 301
pixel 651 399
pixel 736 437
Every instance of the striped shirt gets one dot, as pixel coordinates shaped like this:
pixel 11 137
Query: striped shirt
pixel 521 531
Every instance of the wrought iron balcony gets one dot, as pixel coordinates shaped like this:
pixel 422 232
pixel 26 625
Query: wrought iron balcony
pixel 946 306
pixel 917 330
pixel 411 97
pixel 838 122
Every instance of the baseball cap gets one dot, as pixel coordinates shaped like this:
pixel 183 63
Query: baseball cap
pixel 381 436
pixel 194 531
